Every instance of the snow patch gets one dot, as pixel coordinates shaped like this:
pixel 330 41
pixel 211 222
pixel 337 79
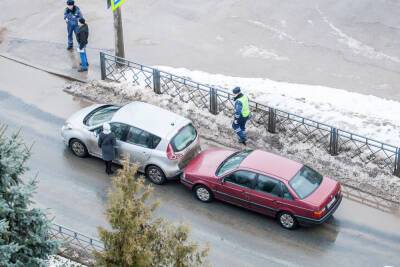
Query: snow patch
pixel 279 33
pixel 58 261
pixel 367 115
pixel 357 46
pixel 252 51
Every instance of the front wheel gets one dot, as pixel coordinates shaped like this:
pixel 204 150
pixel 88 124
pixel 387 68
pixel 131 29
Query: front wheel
pixel 78 148
pixel 203 193
pixel 156 175
pixel 287 220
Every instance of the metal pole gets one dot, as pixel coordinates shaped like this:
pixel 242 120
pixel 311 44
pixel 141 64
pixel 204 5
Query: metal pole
pixel 103 66
pixel 118 34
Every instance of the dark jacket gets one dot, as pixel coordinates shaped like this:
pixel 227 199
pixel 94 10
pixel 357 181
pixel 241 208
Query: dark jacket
pixel 72 15
pixel 107 143
pixel 82 36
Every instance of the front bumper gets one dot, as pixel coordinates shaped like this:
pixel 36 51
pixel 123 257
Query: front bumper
pixel 310 221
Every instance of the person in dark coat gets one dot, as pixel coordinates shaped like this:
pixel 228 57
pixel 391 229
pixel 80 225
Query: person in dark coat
pixel 107 143
pixel 72 14
pixel 242 114
pixel 82 38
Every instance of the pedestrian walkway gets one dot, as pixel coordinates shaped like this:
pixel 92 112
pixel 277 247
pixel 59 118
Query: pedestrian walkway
pixel 52 57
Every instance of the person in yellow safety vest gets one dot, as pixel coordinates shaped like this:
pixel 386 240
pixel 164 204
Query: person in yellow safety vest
pixel 242 114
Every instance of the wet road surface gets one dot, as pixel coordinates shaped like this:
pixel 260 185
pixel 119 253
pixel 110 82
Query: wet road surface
pixel 74 190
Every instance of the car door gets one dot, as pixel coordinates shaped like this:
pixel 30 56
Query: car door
pixel 234 187
pixel 138 145
pixel 266 196
pixel 92 141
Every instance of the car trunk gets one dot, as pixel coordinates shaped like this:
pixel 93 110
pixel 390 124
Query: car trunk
pixel 324 195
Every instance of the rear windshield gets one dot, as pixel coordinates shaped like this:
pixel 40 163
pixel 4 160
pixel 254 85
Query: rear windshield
pixel 232 162
pixel 100 115
pixel 184 138
pixel 305 182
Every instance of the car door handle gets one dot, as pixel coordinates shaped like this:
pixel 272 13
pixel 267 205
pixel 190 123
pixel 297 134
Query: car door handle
pixel 276 202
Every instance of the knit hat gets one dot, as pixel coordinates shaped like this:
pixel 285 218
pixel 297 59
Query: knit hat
pixel 70 2
pixel 106 128
pixel 236 90
pixel 82 21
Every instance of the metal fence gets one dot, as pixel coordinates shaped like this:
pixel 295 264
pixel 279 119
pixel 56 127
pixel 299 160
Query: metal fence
pixel 216 100
pixel 74 245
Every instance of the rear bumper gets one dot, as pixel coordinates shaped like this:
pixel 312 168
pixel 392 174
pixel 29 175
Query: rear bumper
pixel 310 221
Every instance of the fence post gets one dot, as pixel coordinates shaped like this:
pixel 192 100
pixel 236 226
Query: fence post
pixel 213 101
pixel 103 66
pixel 156 81
pixel 334 142
pixel 271 120
pixel 397 163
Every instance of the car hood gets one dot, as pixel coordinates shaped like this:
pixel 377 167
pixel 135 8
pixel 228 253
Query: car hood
pixel 76 119
pixel 206 163
pixel 324 193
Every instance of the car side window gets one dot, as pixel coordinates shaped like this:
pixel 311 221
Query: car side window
pixel 242 178
pixel 140 137
pixel 285 192
pixel 119 130
pixel 268 185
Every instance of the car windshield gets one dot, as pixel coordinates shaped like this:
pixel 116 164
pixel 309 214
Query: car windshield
pixel 232 162
pixel 100 115
pixel 305 182
pixel 184 138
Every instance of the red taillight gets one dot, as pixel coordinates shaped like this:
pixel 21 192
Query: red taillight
pixel 171 154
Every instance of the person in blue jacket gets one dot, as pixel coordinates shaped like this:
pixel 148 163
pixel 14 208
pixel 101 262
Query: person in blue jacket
pixel 242 114
pixel 72 14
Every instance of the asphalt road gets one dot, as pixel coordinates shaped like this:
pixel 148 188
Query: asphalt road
pixel 74 190
pixel 349 44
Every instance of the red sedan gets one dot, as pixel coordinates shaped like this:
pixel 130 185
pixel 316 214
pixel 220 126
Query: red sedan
pixel 263 182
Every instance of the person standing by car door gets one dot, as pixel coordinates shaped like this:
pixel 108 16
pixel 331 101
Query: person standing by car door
pixel 72 14
pixel 107 143
pixel 242 114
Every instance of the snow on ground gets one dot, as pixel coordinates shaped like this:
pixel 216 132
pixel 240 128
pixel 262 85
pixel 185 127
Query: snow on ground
pixel 366 115
pixel 252 51
pixel 58 261
pixel 352 172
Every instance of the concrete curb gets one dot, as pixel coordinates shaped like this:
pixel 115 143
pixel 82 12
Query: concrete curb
pixel 42 68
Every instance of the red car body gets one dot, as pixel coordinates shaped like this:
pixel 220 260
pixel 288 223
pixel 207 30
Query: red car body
pixel 264 171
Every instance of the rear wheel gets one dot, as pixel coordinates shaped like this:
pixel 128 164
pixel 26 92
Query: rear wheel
pixel 155 174
pixel 78 148
pixel 287 220
pixel 203 193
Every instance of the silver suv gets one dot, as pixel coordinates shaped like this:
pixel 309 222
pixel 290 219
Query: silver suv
pixel 160 141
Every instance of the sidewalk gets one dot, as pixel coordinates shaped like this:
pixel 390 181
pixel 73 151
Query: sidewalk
pixel 52 57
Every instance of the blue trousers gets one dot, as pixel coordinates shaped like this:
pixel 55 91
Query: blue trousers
pixel 71 28
pixel 240 127
pixel 84 61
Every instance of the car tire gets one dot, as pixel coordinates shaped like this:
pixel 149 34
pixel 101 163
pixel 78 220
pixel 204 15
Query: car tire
pixel 155 175
pixel 203 193
pixel 78 148
pixel 287 220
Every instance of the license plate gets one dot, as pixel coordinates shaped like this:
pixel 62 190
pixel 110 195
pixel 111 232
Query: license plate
pixel 331 203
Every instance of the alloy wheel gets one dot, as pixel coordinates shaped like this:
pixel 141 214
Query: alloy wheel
pixel 203 194
pixel 287 221
pixel 78 148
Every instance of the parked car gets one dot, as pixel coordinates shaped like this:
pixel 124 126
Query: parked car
pixel 263 182
pixel 160 141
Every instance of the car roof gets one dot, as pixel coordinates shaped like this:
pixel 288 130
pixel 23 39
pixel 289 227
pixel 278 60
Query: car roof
pixel 150 118
pixel 272 164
